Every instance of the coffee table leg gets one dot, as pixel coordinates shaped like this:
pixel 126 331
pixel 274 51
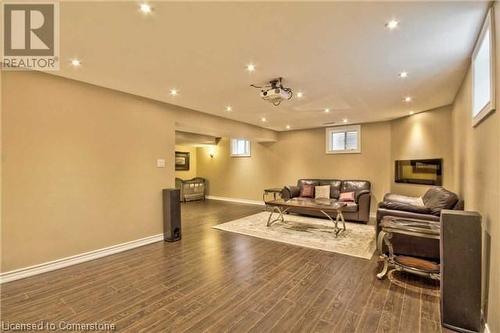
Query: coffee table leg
pixel 282 211
pixel 270 215
pixel 335 222
pixel 338 218
pixel 339 213
pixel 280 215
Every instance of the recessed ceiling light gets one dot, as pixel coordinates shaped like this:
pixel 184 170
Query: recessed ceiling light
pixel 174 92
pixel 327 110
pixel 300 94
pixel 263 119
pixel 403 75
pixel 407 99
pixel 392 24
pixel 76 62
pixel 412 112
pixel 345 120
pixel 250 67
pixel 145 8
pixel 288 127
pixel 229 108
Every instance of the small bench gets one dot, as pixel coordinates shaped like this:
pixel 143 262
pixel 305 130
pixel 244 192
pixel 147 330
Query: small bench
pixel 411 227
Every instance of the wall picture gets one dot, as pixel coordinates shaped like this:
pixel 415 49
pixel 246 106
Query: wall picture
pixel 181 161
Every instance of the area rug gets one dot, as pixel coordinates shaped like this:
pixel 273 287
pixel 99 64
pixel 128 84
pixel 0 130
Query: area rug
pixel 357 241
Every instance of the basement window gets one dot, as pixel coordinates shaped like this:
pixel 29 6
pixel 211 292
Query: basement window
pixel 483 76
pixel 240 147
pixel 343 139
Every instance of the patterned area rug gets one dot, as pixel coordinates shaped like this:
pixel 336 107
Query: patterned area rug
pixel 357 241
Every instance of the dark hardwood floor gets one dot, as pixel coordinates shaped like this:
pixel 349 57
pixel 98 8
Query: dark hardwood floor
pixel 218 281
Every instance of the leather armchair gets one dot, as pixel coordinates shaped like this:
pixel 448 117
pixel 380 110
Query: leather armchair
pixel 427 208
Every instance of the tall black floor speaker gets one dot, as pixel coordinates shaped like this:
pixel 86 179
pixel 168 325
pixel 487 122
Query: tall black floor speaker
pixel 171 215
pixel 460 247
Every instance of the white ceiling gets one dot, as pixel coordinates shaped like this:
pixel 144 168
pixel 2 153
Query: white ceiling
pixel 339 54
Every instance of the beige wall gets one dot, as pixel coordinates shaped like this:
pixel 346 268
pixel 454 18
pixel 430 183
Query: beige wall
pixel 297 154
pixel 79 167
pixel 423 135
pixel 79 163
pixel 191 173
pixel 239 177
pixel 302 154
pixel 477 179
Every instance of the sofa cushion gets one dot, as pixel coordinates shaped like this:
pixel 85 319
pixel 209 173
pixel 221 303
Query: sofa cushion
pixel 322 192
pixel 438 198
pixel 351 207
pixel 307 191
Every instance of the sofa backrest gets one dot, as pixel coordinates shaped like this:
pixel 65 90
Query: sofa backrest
pixel 337 186
pixel 301 182
pixel 355 186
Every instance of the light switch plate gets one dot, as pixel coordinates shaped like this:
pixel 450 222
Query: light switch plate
pixel 160 163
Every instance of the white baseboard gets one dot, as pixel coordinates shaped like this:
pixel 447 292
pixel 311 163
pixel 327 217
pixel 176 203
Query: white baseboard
pixel 76 259
pixel 244 201
pixel 486 329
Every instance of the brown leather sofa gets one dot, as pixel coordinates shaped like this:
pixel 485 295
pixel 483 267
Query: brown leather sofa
pixel 358 211
pixel 427 208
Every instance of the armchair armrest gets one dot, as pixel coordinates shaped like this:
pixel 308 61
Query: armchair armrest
pixel 407 207
pixel 363 199
pixel 404 203
pixel 290 191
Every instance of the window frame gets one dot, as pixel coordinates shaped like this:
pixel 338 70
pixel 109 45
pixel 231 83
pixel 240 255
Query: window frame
pixel 488 25
pixel 342 129
pixel 233 140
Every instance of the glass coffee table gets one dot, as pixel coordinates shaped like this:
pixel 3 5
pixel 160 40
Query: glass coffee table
pixel 327 207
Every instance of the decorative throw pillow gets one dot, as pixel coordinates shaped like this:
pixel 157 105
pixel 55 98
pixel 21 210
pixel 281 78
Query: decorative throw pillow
pixel 322 192
pixel 346 196
pixel 307 191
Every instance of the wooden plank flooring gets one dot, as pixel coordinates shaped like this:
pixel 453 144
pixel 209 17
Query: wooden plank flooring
pixel 216 281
